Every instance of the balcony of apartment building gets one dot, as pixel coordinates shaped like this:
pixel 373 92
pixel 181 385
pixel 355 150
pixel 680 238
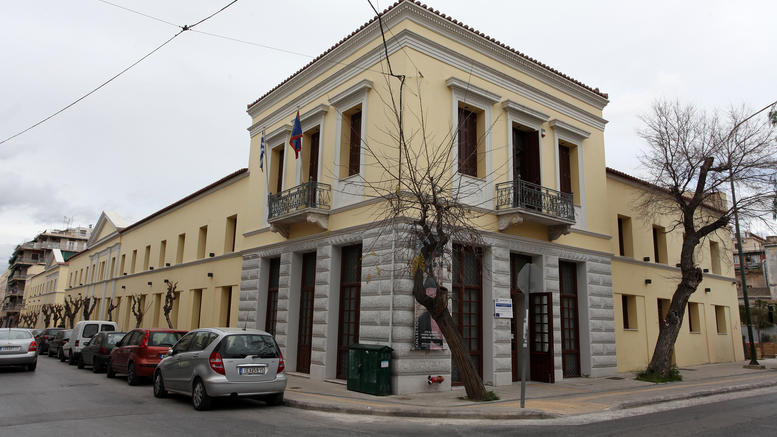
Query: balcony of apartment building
pixel 521 200
pixel 308 202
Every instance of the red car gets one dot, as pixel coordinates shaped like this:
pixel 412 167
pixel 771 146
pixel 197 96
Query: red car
pixel 138 353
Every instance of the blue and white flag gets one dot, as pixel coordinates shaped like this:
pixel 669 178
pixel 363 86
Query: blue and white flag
pixel 261 153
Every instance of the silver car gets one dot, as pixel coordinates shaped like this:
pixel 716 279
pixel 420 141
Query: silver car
pixel 218 362
pixel 18 348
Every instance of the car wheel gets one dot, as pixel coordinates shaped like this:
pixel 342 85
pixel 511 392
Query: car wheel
pixel 159 386
pixel 96 365
pixel 132 374
pixel 71 359
pixel 109 372
pixel 31 367
pixel 200 398
pixel 61 355
pixel 81 362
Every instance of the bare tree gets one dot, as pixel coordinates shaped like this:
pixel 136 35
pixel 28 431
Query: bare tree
pixel 71 308
pixel 111 307
pixel 89 303
pixel 48 311
pixel 136 302
pixel 33 319
pixel 170 296
pixel 693 157
pixel 57 313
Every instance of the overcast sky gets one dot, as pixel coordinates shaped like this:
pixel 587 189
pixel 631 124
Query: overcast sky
pixel 177 121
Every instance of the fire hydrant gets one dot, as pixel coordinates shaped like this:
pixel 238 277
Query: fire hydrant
pixel 434 379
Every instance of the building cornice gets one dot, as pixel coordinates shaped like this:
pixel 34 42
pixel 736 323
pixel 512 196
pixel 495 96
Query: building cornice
pixel 445 26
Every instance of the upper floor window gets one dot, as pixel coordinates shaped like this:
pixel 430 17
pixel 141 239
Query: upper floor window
pixel 625 239
pixel 470 151
pixel 659 245
pixel 569 159
pixel 351 105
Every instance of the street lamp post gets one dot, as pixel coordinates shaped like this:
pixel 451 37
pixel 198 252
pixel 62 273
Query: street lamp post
pixel 753 360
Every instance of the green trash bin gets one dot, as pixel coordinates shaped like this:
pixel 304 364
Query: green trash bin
pixel 369 369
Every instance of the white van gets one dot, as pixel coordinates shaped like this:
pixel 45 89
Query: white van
pixel 81 334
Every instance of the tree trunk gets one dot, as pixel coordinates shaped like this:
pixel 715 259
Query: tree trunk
pixel 438 308
pixel 169 323
pixel 661 363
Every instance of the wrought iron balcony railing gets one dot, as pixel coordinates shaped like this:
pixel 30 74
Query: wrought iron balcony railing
pixel 535 198
pixel 311 194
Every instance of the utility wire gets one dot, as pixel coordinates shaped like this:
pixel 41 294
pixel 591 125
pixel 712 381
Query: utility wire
pixel 183 29
pixel 238 40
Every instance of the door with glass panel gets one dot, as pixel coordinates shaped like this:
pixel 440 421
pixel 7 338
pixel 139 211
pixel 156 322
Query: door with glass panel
pixel 570 335
pixel 350 298
pixel 541 337
pixel 467 308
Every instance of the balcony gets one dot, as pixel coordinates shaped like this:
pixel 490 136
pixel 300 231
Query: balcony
pixel 308 203
pixel 519 201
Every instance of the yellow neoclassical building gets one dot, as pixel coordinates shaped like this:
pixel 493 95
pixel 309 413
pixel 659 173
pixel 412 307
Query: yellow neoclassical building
pixel 294 247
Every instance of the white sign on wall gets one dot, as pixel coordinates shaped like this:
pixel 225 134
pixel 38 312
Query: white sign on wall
pixel 503 308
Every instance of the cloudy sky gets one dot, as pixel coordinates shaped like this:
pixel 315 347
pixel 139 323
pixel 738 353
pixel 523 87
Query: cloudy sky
pixel 177 121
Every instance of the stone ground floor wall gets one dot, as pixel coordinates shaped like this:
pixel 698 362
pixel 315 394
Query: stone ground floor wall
pixel 387 307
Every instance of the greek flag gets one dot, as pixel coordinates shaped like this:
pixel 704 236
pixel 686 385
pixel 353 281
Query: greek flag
pixel 261 153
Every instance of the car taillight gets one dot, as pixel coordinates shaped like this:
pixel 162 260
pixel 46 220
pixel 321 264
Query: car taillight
pixel 281 364
pixel 145 340
pixel 45 337
pixel 216 362
pixel 76 343
pixel 33 347
pixel 103 351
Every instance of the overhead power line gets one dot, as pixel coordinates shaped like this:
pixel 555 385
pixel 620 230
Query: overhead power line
pixel 157 48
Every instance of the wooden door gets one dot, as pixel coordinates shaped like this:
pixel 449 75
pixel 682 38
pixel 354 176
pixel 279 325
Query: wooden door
pixel 526 156
pixel 305 335
pixel 516 327
pixel 350 300
pixel 541 337
pixel 271 316
pixel 564 169
pixel 467 308
pixel 570 335
pixel 313 164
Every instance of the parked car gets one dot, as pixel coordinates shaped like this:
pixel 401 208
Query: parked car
pixel 82 332
pixel 55 345
pixel 18 348
pixel 217 362
pixel 98 349
pixel 45 337
pixel 139 352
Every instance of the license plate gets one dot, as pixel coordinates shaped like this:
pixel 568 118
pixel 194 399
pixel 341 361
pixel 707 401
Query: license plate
pixel 9 348
pixel 161 356
pixel 250 370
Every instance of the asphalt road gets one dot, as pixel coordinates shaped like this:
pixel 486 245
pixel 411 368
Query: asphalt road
pixel 61 400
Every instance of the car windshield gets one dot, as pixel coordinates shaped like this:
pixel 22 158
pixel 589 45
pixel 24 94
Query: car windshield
pixel 114 338
pixel 243 345
pixel 14 335
pixel 164 338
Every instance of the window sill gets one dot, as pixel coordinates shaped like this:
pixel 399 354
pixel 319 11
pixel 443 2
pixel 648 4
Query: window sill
pixel 631 330
pixel 474 178
pixel 353 176
pixel 722 333
pixel 695 332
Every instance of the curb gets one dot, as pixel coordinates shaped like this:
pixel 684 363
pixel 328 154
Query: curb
pixel 693 395
pixel 422 412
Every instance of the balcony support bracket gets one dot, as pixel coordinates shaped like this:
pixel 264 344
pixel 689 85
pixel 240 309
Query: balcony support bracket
pixel 554 232
pixel 281 229
pixel 507 220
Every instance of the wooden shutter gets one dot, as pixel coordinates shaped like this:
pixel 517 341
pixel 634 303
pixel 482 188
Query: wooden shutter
pixel 279 181
pixel 565 170
pixel 313 165
pixel 468 157
pixel 355 144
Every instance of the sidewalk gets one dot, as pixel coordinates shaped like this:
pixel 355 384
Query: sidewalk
pixel 566 398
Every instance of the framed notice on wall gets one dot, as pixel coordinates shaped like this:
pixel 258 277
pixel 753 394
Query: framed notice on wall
pixel 503 308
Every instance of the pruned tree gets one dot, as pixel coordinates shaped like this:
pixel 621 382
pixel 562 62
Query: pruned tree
pixel 33 319
pixel 170 296
pixel 759 314
pixel 89 303
pixel 71 308
pixel 47 310
pixel 136 304
pixel 111 306
pixel 425 205
pixel 58 314
pixel 693 158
